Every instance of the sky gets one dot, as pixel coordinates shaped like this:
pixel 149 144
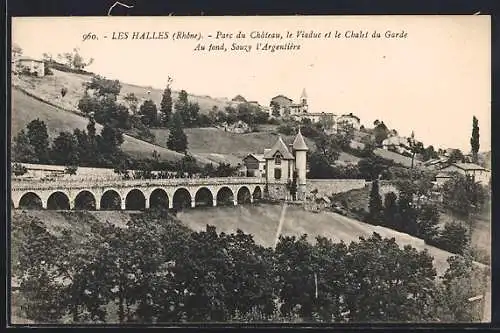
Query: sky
pixel 432 81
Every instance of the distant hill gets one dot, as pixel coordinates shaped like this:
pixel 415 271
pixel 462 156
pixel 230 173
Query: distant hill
pixel 49 87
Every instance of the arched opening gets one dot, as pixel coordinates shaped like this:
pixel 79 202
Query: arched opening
pixel 204 197
pixel 85 200
pixel 135 200
pixel 158 199
pixel 257 194
pixel 181 199
pixel 225 197
pixel 30 201
pixel 58 201
pixel 111 200
pixel 244 195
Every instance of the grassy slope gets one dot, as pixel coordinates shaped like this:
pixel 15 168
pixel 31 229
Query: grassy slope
pixel 26 109
pixel 219 145
pixel 50 87
pixel 259 220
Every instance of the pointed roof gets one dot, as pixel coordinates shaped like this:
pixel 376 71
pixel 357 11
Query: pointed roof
pixel 299 143
pixel 279 146
pixel 303 95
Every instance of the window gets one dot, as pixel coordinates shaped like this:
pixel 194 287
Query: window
pixel 277 159
pixel 277 173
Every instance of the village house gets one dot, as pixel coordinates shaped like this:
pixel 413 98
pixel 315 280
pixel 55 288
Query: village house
pixel 348 120
pixel 286 107
pixel 34 66
pixel 477 172
pixel 396 144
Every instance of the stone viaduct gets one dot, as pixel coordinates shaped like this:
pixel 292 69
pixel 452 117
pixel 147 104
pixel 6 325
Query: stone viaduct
pixel 135 194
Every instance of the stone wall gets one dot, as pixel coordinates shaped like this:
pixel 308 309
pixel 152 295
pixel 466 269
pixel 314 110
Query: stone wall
pixel 332 186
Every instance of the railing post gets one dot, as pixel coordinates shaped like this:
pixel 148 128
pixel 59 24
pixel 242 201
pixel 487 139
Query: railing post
pixel 123 204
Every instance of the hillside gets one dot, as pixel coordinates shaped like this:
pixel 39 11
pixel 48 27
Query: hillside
pixel 259 220
pixel 49 88
pixel 217 144
pixel 26 108
pixel 208 145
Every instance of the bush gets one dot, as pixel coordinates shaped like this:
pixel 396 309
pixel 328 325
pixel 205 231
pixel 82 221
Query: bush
pixel 453 238
pixel 19 169
pixel 47 70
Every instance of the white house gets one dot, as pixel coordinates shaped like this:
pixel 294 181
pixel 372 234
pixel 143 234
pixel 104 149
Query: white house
pixel 33 65
pixel 395 143
pixel 348 120
pixel 477 172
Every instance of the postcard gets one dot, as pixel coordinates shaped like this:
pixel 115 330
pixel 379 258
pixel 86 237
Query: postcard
pixel 244 170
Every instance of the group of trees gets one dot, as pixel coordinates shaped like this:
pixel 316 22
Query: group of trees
pixel 32 145
pixel 157 270
pixel 406 213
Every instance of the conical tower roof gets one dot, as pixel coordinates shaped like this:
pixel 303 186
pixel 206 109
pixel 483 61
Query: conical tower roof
pixel 299 142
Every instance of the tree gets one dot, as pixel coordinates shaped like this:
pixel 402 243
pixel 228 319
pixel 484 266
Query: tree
pixel 71 169
pixel 453 238
pixel 388 283
pixel 17 51
pixel 148 113
pixel 375 204
pixel 75 60
pixel 39 139
pixel 330 146
pixel 463 196
pixel 461 281
pixel 23 150
pixel 19 169
pixel 166 105
pixel 474 140
pixel 371 167
pixel 177 139
pixel 456 156
pixel 102 86
pixel 381 132
pixel 427 222
pixel 275 109
pixel 64 150
pixel 132 101
pixel 390 210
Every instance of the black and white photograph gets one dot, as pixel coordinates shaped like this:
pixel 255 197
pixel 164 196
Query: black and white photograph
pixel 253 169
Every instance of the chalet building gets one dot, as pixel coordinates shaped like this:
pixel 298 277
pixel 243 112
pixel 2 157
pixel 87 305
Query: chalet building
pixel 281 164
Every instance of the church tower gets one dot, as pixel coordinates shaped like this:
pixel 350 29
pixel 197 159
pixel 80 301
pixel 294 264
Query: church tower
pixel 300 152
pixel 303 100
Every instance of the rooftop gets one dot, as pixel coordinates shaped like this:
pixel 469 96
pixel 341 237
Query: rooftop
pixel 279 146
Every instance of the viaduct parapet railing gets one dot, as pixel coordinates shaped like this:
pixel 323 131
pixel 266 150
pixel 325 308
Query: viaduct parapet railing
pixel 137 193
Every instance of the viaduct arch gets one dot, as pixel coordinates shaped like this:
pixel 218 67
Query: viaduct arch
pixel 136 196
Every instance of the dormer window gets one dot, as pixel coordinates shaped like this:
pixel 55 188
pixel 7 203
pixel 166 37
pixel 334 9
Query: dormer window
pixel 277 159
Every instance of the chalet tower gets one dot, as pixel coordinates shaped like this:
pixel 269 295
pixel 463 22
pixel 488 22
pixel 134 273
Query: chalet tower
pixel 300 153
